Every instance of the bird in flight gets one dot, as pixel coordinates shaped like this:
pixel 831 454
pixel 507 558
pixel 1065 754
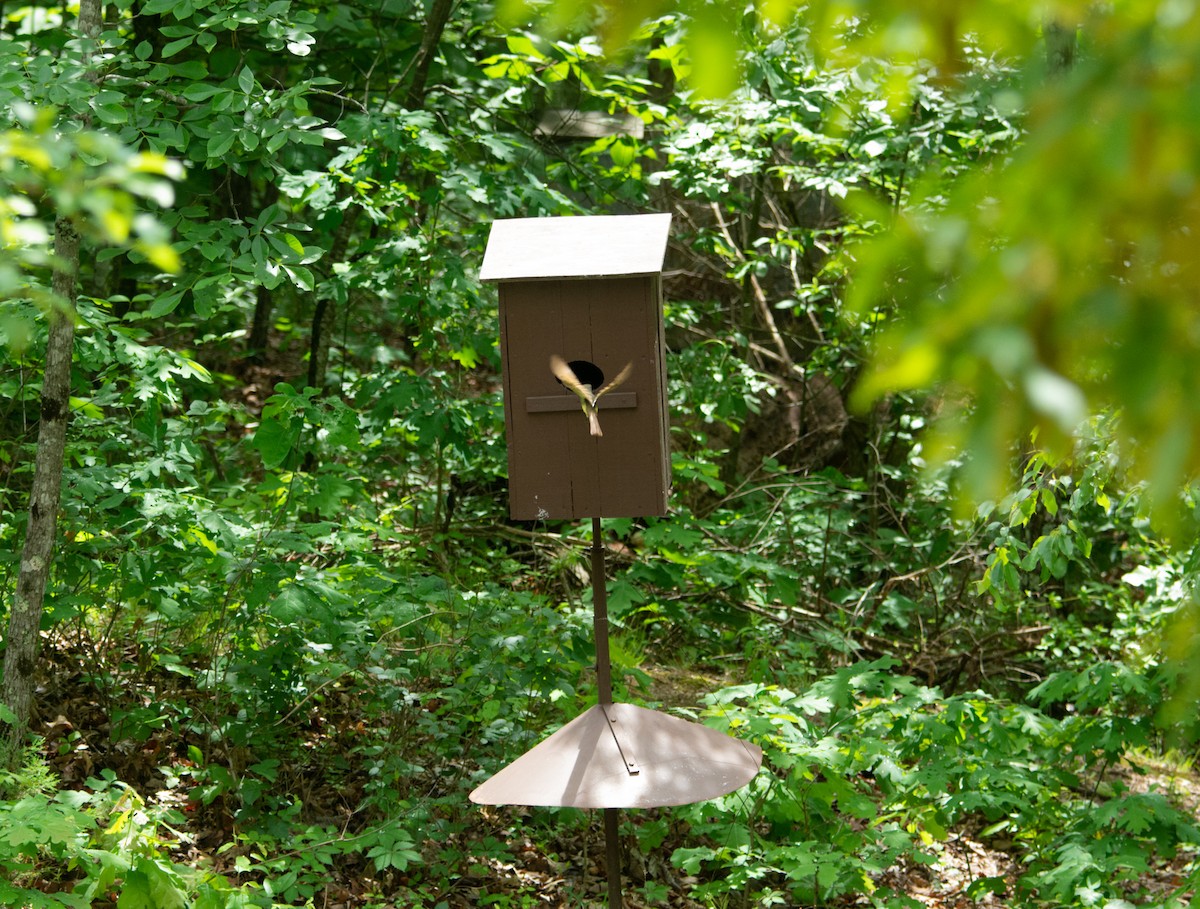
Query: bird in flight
pixel 587 398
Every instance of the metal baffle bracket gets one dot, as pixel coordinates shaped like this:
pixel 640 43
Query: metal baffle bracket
pixel 624 746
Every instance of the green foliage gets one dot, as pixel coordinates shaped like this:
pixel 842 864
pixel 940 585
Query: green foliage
pixel 87 178
pixel 1048 308
pixel 865 770
pixel 96 845
pixel 29 774
pixel 289 603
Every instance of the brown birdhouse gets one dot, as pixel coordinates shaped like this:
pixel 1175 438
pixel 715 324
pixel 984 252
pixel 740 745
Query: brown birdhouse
pixel 581 343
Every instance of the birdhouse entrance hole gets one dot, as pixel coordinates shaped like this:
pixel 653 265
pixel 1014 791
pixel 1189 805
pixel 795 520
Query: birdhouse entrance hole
pixel 587 372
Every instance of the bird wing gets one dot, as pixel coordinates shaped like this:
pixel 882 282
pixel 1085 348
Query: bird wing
pixel 621 377
pixel 567 376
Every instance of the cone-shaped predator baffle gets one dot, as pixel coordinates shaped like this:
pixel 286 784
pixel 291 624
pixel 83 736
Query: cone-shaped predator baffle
pixel 622 756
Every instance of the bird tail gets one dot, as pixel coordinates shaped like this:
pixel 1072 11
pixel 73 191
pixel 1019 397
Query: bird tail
pixel 594 421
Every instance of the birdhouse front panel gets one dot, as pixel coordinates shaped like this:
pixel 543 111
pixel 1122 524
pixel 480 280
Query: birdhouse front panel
pixel 559 468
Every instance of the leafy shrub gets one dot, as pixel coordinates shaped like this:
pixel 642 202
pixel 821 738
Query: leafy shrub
pixel 67 849
pixel 865 770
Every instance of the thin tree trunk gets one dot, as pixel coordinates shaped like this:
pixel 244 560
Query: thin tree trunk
pixel 324 317
pixel 325 313
pixel 24 621
pixel 260 325
pixel 1062 44
pixel 33 575
pixel 264 299
pixel 435 24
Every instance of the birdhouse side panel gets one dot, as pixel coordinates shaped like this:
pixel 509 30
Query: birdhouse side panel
pixel 664 415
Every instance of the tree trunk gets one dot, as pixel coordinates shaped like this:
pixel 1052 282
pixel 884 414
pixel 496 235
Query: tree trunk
pixel 264 299
pixel 325 313
pixel 435 24
pixel 24 622
pixel 260 326
pixel 25 617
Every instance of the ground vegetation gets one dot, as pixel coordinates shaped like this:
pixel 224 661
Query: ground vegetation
pixel 931 541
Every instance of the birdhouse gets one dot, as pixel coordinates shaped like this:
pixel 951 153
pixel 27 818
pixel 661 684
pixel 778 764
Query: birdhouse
pixel 581 314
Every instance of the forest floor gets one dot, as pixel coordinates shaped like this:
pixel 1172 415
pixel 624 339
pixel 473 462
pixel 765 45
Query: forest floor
pixel 563 866
pixel 963 857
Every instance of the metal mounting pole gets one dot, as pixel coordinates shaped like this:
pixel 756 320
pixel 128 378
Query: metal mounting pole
pixel 612 846
pixel 612 852
pixel 600 618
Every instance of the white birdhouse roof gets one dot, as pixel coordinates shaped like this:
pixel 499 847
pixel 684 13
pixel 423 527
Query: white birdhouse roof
pixel 592 246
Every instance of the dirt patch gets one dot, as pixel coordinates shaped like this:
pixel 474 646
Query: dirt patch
pixel 678 687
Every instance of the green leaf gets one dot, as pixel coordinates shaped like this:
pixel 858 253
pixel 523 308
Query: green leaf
pixel 300 42
pixel 301 277
pixel 174 47
pixel 397 854
pixel 166 303
pixel 689 860
pixel 874 148
pixel 523 46
pixel 219 144
pixel 189 69
pixel 200 92
pixel 294 243
pixel 489 711
pixel 135 892
pixel 166 887
pixel 246 80
pixel 980 887
pixel 114 114
pixel 330 495
pixel 467 356
pixel 1050 501
pixel 275 439
pixel 342 427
